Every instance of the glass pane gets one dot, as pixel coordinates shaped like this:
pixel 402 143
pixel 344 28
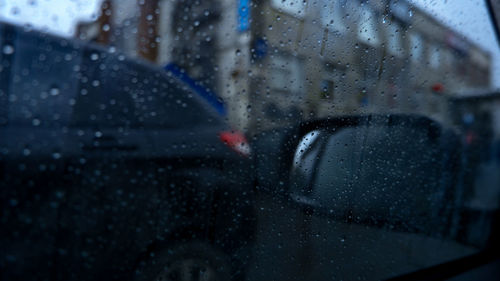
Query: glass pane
pixel 247 140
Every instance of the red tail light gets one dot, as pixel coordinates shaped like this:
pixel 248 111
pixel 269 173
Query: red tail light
pixel 438 87
pixel 236 141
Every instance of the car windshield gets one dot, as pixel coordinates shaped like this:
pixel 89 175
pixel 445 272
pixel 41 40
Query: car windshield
pixel 248 139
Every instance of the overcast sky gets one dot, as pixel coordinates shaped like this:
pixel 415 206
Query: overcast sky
pixel 54 16
pixel 469 17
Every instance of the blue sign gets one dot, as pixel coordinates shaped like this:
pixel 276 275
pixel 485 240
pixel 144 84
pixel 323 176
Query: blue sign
pixel 260 48
pixel 244 15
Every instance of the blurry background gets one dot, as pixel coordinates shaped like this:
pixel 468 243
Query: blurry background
pixel 276 62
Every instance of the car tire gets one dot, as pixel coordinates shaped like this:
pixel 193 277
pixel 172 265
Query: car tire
pixel 186 262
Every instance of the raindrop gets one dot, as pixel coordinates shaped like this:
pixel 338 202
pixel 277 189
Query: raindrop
pixel 35 122
pixel 56 155
pixel 94 56
pixel 54 91
pixel 28 27
pixel 8 50
pixel 15 10
pixel 13 202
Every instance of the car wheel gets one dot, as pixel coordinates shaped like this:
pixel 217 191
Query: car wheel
pixel 186 262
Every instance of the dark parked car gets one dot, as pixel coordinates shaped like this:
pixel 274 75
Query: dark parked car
pixel 112 169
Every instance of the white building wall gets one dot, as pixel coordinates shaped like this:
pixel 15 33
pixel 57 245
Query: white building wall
pixel 165 33
pixel 233 65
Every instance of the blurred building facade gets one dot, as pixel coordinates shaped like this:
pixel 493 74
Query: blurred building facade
pixel 276 62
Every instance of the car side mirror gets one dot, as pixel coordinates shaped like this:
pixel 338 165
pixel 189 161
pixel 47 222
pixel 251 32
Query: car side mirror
pixel 394 171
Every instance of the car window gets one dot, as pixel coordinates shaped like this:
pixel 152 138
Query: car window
pixel 248 139
pixel 114 92
pixel 30 101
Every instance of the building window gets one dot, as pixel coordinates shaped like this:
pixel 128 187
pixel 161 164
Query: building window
pixel 394 42
pixel 295 8
pixel 367 28
pixel 326 89
pixel 449 58
pixel 416 47
pixel 332 15
pixel 286 74
pixel 434 56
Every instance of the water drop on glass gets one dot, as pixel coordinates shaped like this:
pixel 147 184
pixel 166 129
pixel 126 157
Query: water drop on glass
pixel 8 50
pixel 54 91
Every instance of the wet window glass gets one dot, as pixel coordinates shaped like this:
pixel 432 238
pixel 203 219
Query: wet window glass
pixel 225 140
